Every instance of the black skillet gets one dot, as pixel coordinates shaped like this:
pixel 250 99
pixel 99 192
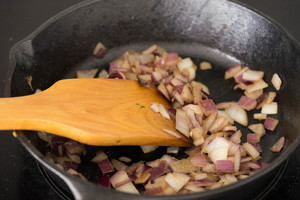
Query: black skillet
pixel 222 32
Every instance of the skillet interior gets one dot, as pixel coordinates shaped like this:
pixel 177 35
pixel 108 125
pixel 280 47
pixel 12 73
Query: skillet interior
pixel 219 31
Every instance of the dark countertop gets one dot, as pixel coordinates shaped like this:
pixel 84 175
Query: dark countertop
pixel 19 175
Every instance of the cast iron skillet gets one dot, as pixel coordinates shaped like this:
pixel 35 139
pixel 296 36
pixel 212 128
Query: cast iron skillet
pixel 222 32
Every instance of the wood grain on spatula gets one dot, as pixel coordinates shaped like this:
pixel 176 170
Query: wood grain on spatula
pixel 93 111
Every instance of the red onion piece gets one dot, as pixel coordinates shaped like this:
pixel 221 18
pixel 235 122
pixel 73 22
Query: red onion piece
pixel 105 166
pixel 199 160
pixel 74 147
pixel 103 181
pixel 270 123
pixel 144 80
pixel 224 166
pixel 171 58
pixel 158 171
pixel 120 178
pixel 113 68
pixel 100 50
pixel 232 71
pixel 208 106
pixel 55 141
pixel 253 138
pixel 247 103
pixel 70 165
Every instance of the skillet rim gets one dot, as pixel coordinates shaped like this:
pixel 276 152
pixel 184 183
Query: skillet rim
pixel 41 158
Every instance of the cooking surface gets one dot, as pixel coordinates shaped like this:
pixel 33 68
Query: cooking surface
pixel 20 177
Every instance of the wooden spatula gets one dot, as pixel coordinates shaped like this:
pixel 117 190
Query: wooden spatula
pixel 93 111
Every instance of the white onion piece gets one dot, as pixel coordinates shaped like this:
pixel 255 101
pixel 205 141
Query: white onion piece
pixel 217 149
pixel 258 85
pixel 277 147
pixel 197 135
pixel 258 129
pixel 205 65
pixel 271 97
pixel 251 150
pixel 177 180
pixel 86 73
pixel 125 159
pixel 44 136
pixel 183 124
pixel 187 65
pixel 183 166
pixel 163 111
pixel 148 148
pixel 118 165
pixel 224 114
pixel 276 81
pixel 252 75
pixel 171 133
pixel 100 155
pixel 172 150
pixel 253 95
pixel 259 116
pixel 236 137
pixel 103 74
pixel 269 108
pixel 238 114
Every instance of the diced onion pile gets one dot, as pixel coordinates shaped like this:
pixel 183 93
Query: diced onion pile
pixel 218 157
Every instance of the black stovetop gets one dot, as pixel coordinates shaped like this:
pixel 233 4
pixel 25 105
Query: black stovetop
pixel 20 177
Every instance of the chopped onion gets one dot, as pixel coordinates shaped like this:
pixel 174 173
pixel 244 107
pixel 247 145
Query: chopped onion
pixel 100 155
pixel 269 108
pixel 232 71
pixel 276 81
pixel 100 50
pixel 198 160
pixel 120 181
pixel 252 75
pixel 105 166
pixel 270 123
pixel 148 148
pixel 172 150
pixel 171 133
pixel 224 166
pixel 258 85
pixel 271 97
pixel 183 124
pixel 103 74
pixel 205 65
pixel 251 150
pixel 258 129
pixel 208 106
pixel 125 159
pixel 238 114
pixel 259 116
pixel 247 103
pixel 86 73
pixel 277 147
pixel 183 166
pixel 103 181
pixel 118 165
pixel 177 180
pixel 253 138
